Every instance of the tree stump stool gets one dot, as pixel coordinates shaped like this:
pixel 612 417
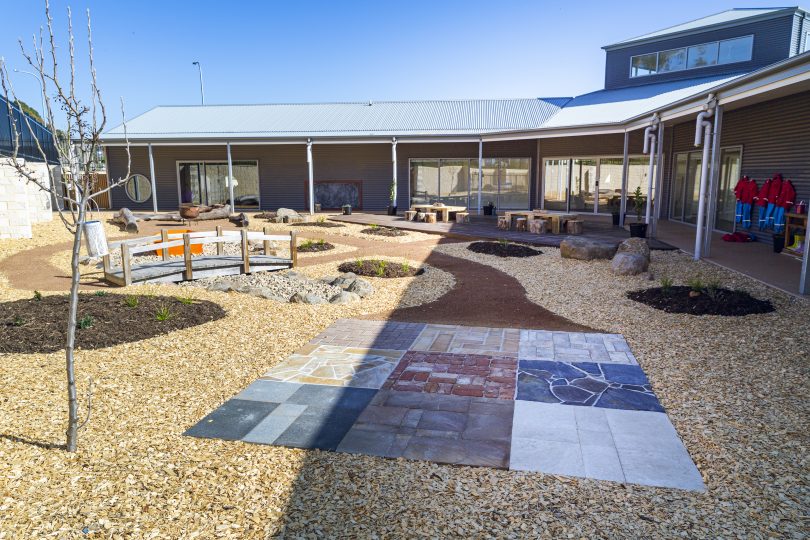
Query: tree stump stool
pixel 462 217
pixel 575 226
pixel 410 215
pixel 537 226
pixel 520 224
pixel 503 223
pixel 430 217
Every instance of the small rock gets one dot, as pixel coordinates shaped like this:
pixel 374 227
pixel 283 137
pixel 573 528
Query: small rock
pixel 309 298
pixel 584 249
pixel 221 286
pixel 287 215
pixel 361 287
pixel 267 293
pixel 629 264
pixel 344 298
pixel 87 261
pixel 344 281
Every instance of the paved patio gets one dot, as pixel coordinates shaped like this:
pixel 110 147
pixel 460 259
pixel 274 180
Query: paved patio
pixel 567 403
pixel 596 227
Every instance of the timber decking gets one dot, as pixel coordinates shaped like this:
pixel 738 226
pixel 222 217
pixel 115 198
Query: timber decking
pixel 173 271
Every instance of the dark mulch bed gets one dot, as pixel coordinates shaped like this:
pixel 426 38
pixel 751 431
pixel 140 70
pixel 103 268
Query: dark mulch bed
pixel 326 224
pixel 39 326
pixel 384 231
pixel 500 249
pixel 378 268
pixel 725 302
pixel 312 247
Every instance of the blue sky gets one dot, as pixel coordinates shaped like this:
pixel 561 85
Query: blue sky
pixel 267 51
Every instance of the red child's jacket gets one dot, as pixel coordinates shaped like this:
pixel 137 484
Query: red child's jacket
pixel 775 189
pixel 762 197
pixel 787 195
pixel 746 190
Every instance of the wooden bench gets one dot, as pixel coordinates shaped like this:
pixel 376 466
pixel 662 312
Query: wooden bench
pixel 574 226
pixel 410 215
pixel 462 217
pixel 430 217
pixel 520 224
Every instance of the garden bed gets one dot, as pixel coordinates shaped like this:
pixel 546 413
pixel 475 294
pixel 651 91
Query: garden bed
pixel 38 325
pixel 380 268
pixel 503 249
pixel 325 224
pixel 384 231
pixel 314 246
pixel 720 301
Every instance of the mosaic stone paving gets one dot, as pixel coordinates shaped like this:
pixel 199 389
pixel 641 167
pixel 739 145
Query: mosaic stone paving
pixel 613 386
pixel 338 366
pixel 468 340
pixel 457 374
pixel 470 396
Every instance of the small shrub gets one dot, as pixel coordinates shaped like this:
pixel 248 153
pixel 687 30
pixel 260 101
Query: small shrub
pixel 320 219
pixel 86 322
pixel 37 296
pixel 713 289
pixel 374 226
pixel 306 245
pixel 186 300
pixel 695 284
pixel 131 301
pixel 503 242
pixel 406 266
pixel 381 266
pixel 18 321
pixel 163 314
pixel 666 285
pixel 101 293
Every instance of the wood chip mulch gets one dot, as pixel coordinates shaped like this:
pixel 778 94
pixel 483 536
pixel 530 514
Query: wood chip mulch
pixel 39 325
pixel 316 246
pixel 720 302
pixel 503 249
pixel 384 231
pixel 380 268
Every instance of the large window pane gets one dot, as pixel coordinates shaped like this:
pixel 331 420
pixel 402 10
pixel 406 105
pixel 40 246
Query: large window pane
pixel 645 64
pixel 726 201
pixel 702 55
pixel 583 184
pixel 454 182
pixel 207 183
pixel 736 50
pixel 674 60
pixel 424 181
pixel 489 191
pixel 246 184
pixel 692 191
pixel 678 186
pixel 638 172
pixel 514 192
pixel 216 181
pixel 555 180
pixel 610 184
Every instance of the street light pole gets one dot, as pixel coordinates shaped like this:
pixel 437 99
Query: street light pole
pixel 41 90
pixel 202 91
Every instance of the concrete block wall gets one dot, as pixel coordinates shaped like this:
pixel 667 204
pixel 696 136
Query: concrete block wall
pixel 22 204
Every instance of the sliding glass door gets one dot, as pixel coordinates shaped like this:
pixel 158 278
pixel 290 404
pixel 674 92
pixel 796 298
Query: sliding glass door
pixel 686 187
pixel 583 185
pixel 206 182
pixel 555 190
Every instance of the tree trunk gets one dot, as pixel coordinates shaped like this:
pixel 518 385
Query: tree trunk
pixel 73 405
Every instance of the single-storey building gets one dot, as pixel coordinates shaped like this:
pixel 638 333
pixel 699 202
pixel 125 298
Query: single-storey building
pixel 744 73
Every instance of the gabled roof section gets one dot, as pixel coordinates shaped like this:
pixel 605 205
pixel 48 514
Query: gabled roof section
pixel 621 104
pixel 368 119
pixel 731 17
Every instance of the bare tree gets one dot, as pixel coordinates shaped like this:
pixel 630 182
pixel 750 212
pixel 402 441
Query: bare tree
pixel 84 121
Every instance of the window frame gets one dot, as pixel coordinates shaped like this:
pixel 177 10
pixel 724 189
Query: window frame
pixel 220 162
pixel 686 49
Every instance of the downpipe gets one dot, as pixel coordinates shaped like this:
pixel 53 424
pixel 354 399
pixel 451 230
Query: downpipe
pixel 703 135
pixel 650 136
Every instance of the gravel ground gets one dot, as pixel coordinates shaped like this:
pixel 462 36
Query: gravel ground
pixel 729 384
pixel 732 387
pixel 350 229
pixel 282 284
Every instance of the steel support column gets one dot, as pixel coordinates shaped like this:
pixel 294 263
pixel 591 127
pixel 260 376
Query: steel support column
pixel 804 282
pixel 151 178
pixel 311 178
pixel 394 186
pixel 480 172
pixel 230 178
pixel 659 174
pixel 625 172
pixel 714 182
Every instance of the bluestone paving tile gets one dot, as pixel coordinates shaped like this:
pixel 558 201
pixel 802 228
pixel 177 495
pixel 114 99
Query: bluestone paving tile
pixel 276 423
pixel 232 420
pixel 554 457
pixel 270 391
pixel 602 463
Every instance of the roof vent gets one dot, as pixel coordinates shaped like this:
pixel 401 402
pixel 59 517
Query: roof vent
pixel 370 103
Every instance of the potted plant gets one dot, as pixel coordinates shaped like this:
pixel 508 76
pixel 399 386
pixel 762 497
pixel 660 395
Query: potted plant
pixel 614 203
pixel 638 229
pixel 392 208
pixel 489 209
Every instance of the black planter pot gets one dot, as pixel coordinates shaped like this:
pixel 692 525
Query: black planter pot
pixel 778 244
pixel 347 209
pixel 616 219
pixel 489 210
pixel 638 230
pixel 392 210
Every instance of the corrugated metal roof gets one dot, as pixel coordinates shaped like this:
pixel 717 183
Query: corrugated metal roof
pixel 384 118
pixel 618 105
pixel 724 17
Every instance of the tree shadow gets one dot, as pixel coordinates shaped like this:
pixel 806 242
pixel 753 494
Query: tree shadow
pixel 32 442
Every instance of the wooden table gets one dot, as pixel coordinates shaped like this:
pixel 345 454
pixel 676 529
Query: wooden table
pixel 557 221
pixel 443 211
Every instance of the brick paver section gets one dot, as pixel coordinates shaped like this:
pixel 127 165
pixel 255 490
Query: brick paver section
pixel 391 335
pixel 471 375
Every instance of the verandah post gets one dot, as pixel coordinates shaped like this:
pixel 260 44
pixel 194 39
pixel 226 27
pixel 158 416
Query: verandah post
pixel 245 252
pixel 188 275
pixel 293 249
pixel 219 242
pixel 164 237
pixel 266 243
pixel 125 266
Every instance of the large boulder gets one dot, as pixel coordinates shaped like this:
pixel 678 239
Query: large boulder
pixel 361 287
pixel 344 281
pixel 584 249
pixel 308 298
pixel 344 297
pixel 287 215
pixel 224 285
pixel 266 293
pixel 629 264
pixel 637 246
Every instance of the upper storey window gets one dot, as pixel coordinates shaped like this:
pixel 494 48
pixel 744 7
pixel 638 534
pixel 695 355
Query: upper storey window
pixel 714 53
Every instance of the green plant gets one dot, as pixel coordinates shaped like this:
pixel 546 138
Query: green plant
pixel 503 242
pixel 163 314
pixel 358 263
pixel 380 269
pixel 638 202
pixel 713 289
pixel 406 266
pixel 666 285
pixel 186 300
pixel 101 293
pixel 37 296
pixel 131 301
pixel 86 322
pixel 696 285
pixel 18 321
pixel 320 219
pixel 374 226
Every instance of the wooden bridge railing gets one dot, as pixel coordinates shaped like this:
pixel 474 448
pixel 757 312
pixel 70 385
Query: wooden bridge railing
pixel 164 241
